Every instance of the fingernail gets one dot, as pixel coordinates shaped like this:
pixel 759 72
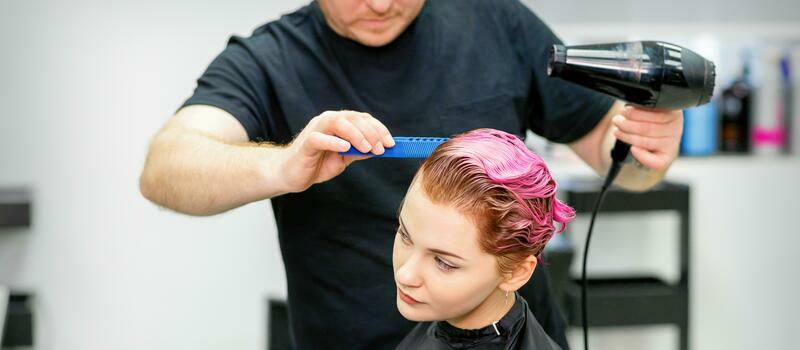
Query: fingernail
pixel 344 145
pixel 366 147
pixel 378 150
pixel 618 119
pixel 388 140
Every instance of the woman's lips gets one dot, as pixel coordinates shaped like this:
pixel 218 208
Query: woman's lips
pixel 407 298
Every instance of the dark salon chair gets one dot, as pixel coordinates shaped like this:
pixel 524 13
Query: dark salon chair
pixel 277 325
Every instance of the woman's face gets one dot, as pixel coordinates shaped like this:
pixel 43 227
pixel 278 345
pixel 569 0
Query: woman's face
pixel 440 270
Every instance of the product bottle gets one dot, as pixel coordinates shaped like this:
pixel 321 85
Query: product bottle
pixel 734 132
pixel 792 116
pixel 768 129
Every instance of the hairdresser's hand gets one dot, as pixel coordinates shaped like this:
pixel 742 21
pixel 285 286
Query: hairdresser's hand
pixel 313 156
pixel 655 137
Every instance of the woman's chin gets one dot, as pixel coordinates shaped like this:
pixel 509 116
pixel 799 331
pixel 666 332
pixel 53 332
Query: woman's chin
pixel 412 314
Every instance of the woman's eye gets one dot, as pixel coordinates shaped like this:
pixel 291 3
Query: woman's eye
pixel 443 265
pixel 404 237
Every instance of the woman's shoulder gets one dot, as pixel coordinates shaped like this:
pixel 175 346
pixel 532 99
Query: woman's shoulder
pixel 416 338
pixel 534 336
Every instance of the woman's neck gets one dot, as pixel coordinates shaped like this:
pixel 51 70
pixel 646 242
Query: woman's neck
pixel 489 311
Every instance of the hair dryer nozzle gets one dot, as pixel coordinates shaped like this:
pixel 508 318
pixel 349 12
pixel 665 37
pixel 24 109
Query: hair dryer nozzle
pixel 649 74
pixel 704 78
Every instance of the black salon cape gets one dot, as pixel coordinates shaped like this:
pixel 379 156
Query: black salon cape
pixel 518 330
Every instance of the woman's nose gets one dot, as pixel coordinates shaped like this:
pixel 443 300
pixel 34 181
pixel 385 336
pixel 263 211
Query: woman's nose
pixel 408 274
pixel 379 6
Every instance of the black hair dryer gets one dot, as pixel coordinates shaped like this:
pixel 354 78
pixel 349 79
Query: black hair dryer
pixel 647 74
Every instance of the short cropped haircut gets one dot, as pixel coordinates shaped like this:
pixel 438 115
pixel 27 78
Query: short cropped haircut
pixel 506 189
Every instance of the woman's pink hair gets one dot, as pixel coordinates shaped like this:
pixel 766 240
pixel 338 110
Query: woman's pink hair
pixel 493 178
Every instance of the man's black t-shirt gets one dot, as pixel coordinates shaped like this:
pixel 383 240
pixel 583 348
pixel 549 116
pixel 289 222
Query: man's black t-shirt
pixel 460 65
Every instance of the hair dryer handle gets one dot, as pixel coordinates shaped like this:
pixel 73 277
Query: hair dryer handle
pixel 620 152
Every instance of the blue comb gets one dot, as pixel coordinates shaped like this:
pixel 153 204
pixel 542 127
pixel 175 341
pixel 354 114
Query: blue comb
pixel 405 147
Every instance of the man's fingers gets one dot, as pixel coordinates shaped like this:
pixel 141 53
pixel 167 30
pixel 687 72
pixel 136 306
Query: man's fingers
pixel 363 131
pixel 344 128
pixel 318 142
pixel 386 136
pixel 642 128
pixel 370 131
pixel 648 143
pixel 353 127
pixel 643 115
pixel 649 159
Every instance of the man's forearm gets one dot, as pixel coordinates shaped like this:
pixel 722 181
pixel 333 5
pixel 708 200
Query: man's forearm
pixel 195 174
pixel 636 178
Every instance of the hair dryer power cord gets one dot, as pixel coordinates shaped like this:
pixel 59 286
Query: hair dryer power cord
pixel 613 171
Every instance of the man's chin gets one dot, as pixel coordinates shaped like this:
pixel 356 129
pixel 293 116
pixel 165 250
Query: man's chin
pixel 373 39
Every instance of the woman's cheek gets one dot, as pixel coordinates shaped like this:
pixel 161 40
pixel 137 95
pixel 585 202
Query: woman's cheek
pixel 462 293
pixel 456 295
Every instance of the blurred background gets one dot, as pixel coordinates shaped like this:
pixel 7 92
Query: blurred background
pixel 85 84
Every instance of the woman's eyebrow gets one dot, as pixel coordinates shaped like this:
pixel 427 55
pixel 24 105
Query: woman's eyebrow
pixel 442 252
pixel 434 250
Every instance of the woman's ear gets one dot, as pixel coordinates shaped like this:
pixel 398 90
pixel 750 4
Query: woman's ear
pixel 520 275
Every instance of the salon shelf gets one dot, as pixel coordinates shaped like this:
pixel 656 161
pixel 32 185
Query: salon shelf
pixel 15 207
pixel 18 326
pixel 627 301
pixel 582 194
pixel 638 300
pixel 277 324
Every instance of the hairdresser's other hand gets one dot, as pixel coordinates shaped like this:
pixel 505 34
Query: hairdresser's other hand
pixel 654 136
pixel 313 156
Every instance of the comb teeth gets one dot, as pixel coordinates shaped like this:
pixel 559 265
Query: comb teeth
pixel 405 147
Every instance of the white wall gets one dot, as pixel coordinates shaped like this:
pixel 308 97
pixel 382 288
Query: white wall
pixel 654 11
pixel 84 84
